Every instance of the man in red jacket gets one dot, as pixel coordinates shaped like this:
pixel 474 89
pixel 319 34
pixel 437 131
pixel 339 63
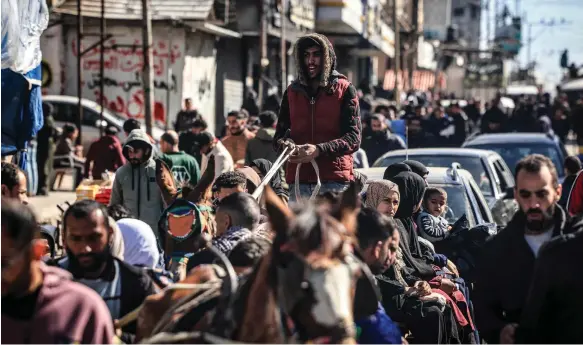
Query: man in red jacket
pixel 320 108
pixel 105 153
pixel 575 203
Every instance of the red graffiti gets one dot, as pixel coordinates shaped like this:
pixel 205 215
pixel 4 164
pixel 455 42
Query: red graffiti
pixel 128 59
pixel 133 106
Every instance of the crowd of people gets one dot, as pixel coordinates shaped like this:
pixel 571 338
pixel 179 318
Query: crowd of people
pixel 525 288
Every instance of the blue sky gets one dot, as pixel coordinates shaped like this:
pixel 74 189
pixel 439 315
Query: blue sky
pixel 549 42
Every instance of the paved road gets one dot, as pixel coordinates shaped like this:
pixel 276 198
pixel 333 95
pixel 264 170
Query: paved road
pixel 46 206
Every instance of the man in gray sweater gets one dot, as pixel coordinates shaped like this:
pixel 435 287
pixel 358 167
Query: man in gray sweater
pixel 135 184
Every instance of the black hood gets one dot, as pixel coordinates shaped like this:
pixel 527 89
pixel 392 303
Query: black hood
pixel 411 188
pixel 395 169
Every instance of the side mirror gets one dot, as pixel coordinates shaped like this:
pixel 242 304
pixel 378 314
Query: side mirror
pixel 509 193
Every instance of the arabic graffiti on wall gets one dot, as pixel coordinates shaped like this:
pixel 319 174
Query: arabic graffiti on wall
pixel 123 64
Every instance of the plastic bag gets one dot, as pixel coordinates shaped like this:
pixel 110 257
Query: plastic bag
pixel 23 22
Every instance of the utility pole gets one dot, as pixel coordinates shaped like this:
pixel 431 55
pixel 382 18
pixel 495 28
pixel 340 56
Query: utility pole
pixel 415 41
pixel 529 44
pixel 101 65
pixel 283 47
pixel 488 24
pixel 79 71
pixel 263 57
pixel 397 64
pixel 147 71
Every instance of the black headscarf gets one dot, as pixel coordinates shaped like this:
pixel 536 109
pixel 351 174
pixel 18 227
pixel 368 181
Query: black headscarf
pixel 394 169
pixel 411 188
pixel 264 166
pixel 417 167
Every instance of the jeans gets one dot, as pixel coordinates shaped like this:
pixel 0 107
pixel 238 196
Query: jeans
pixel 306 189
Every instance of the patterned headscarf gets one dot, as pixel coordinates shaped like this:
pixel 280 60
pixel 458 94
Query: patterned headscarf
pixel 378 191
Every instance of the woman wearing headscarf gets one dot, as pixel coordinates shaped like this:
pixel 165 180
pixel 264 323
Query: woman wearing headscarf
pixel 117 244
pixel 407 298
pixel 395 169
pixel 412 187
pixel 262 167
pixel 383 196
pixel 139 243
pixel 417 167
pixel 417 259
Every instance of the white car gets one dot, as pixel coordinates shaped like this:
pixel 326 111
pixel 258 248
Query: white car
pixel 463 194
pixel 66 111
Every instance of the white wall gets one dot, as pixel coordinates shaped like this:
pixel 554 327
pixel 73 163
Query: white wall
pixel 199 75
pixel 53 50
pixel 437 16
pixel 123 68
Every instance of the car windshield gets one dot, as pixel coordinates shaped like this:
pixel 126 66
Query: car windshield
pixel 457 202
pixel 512 153
pixel 472 164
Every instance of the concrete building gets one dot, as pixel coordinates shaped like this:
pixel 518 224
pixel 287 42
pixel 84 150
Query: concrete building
pixel 466 15
pixel 436 19
pixel 186 36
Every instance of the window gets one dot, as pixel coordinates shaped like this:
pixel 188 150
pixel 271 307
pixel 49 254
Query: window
pixel 485 215
pixel 90 117
pixel 458 12
pixel 457 203
pixel 62 112
pixel 512 153
pixel 500 172
pixel 474 11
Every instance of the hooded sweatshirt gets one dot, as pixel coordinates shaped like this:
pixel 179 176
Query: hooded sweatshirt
pixel 135 187
pixel 328 117
pixel 65 312
pixel 261 146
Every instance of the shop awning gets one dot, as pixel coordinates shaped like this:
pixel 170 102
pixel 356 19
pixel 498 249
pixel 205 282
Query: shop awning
pixel 132 9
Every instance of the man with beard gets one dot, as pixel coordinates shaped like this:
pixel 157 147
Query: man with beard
pixel 505 270
pixel 379 139
pixel 320 113
pixel 238 136
pixel 552 313
pixel 87 231
pixel 378 247
pixel 135 184
pixel 41 304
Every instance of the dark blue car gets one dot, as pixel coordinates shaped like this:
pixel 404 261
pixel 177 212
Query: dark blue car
pixel 514 146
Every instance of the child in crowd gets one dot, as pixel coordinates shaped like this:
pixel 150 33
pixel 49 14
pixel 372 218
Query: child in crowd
pixel 432 226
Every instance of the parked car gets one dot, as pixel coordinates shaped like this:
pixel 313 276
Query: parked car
pixel 463 194
pixel 514 146
pixel 66 110
pixel 488 169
